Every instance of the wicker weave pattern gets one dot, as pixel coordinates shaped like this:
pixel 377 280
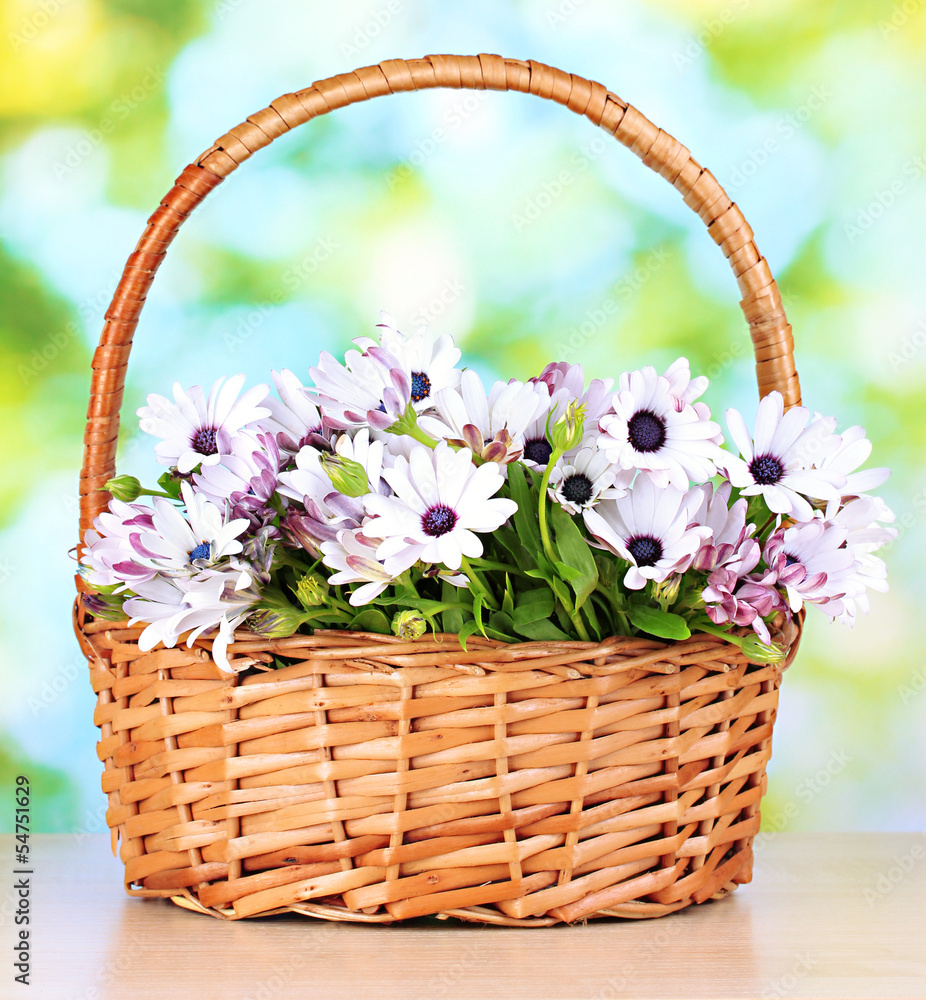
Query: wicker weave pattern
pixel 377 780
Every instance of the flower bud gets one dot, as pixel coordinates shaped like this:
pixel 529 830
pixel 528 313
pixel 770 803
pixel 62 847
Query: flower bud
pixel 758 651
pixel 126 488
pixel 107 607
pixel 311 591
pixel 666 591
pixel 566 433
pixel 346 475
pixel 275 622
pixel 409 625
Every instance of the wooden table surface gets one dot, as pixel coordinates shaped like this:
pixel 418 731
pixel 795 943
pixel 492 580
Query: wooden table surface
pixel 826 915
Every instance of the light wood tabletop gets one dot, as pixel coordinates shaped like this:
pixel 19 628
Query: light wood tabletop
pixel 827 915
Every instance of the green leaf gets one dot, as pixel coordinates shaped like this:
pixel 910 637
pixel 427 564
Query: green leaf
pixel 655 621
pixel 452 618
pixel 170 485
pixel 508 597
pixel 479 599
pixel 575 553
pixel 371 620
pixel 525 518
pixel 544 630
pixel 500 626
pixel 533 606
pixel 466 631
pixel 567 573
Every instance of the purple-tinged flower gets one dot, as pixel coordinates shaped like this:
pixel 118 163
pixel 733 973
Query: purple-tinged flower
pixel 813 564
pixel 730 544
pixel 353 557
pixel 650 529
pixel 731 599
pixel 190 425
pixel 245 479
pixel 109 557
pixel 566 383
pixel 428 361
pixel 294 418
pixel 663 435
pixel 441 499
pixel 370 388
pixel 491 426
pixel 778 462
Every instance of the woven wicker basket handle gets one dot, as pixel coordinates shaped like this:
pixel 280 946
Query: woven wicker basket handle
pixel 761 303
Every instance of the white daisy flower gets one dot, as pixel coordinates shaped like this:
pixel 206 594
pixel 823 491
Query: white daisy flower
pixel 852 451
pixel 648 528
pixel 178 545
pixel 428 361
pixel 191 425
pixel 864 536
pixel 440 500
pixel 492 426
pixel 353 556
pixel 663 435
pixel 210 600
pixel 583 477
pixel 813 564
pixel 683 386
pixel 295 418
pixel 369 388
pixel 778 461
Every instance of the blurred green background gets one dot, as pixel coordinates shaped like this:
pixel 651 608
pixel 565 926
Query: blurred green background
pixel 502 220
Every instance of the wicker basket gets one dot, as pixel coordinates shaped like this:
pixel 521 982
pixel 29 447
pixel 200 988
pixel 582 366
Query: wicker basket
pixel 376 780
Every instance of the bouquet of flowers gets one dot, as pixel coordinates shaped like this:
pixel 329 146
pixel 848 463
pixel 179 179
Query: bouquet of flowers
pixel 397 495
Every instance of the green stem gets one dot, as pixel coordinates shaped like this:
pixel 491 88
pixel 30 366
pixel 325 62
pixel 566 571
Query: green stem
pixel 474 576
pixel 542 504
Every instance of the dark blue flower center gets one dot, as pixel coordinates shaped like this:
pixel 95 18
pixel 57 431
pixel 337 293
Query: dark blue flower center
pixel 790 560
pixel 645 549
pixel 421 386
pixel 203 441
pixel 438 520
pixel 202 551
pixel 577 488
pixel 645 431
pixel 538 450
pixel 382 407
pixel 766 469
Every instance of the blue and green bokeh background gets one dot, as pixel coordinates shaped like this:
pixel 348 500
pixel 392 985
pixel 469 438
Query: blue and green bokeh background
pixel 502 220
